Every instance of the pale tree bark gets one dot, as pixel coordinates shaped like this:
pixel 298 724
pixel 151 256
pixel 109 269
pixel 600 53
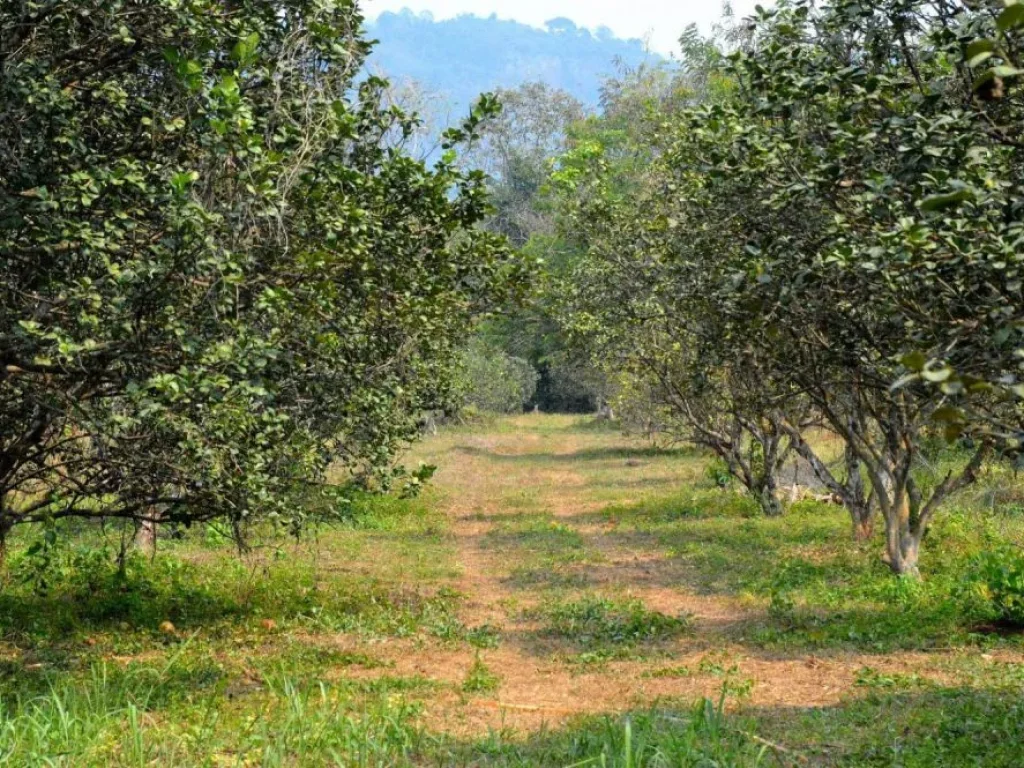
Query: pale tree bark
pixel 906 511
pixel 146 533
pixel 849 490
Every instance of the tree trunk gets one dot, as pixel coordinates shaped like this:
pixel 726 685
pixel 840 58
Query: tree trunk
pixel 767 496
pixel 903 554
pixel 6 526
pixel 4 530
pixel 856 500
pixel 863 524
pixel 145 536
pixel 902 541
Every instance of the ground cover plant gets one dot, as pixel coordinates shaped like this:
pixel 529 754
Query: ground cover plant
pixel 694 629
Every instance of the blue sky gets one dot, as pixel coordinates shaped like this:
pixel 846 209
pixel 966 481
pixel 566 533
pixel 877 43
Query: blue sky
pixel 658 21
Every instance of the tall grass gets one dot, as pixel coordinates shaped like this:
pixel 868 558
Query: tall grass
pixel 115 718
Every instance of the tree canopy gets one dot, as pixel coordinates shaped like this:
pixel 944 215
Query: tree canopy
pixel 830 235
pixel 221 274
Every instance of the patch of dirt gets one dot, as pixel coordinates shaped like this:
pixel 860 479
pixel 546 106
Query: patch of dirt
pixel 539 686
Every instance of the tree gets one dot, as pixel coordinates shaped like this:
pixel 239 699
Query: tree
pixel 496 382
pixel 838 228
pixel 517 150
pixel 845 267
pixel 641 311
pixel 220 272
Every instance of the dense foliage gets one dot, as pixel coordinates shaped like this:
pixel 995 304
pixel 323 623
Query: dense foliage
pixel 517 150
pixel 829 236
pixel 494 381
pixel 220 273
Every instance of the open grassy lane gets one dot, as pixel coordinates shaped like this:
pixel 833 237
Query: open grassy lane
pixel 561 595
pixel 616 575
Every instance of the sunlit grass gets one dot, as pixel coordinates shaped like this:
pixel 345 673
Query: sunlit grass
pixel 279 657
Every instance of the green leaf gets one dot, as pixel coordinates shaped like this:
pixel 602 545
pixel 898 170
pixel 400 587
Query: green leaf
pixel 948 200
pixel 948 415
pixel 245 49
pixel 981 58
pixel 1011 17
pixel 1002 71
pixel 1005 70
pixel 181 181
pixel 979 52
pixel 915 361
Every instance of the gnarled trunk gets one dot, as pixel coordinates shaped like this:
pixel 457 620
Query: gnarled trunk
pixel 903 535
pixel 767 496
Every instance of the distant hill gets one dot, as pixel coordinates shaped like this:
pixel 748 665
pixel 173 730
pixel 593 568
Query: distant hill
pixel 462 57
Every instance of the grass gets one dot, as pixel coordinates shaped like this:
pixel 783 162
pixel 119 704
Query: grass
pixel 144 716
pixel 481 679
pixel 594 621
pixel 378 642
pixel 655 738
pixel 914 726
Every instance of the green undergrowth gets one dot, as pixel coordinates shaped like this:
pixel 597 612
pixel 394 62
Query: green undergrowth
pixel 602 629
pixel 286 656
pixel 147 716
pixel 810 586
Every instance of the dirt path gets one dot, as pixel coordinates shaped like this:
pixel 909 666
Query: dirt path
pixel 496 487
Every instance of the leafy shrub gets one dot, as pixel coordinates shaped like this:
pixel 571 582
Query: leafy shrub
pixel 494 381
pixel 718 474
pixel 1000 582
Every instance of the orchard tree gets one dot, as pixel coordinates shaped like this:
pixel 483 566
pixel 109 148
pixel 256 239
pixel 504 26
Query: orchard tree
pixel 516 148
pixel 642 302
pixel 220 273
pixel 875 212
pixel 843 227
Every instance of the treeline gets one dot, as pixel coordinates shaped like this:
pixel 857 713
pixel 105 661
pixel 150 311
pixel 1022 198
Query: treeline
pixel 461 57
pixel 813 226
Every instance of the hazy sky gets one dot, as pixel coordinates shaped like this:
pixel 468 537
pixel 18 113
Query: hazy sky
pixel 659 21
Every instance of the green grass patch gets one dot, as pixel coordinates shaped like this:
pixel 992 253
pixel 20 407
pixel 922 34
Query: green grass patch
pixel 593 621
pixel 480 678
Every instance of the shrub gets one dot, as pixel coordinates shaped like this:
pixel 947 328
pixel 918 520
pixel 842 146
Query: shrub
pixel 1000 581
pixel 494 381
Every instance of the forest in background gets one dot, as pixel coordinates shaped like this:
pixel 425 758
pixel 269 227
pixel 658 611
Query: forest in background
pixel 482 54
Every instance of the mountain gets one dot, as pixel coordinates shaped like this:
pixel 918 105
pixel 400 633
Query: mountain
pixel 463 57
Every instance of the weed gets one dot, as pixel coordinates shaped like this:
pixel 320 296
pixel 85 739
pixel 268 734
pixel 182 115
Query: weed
pixel 998 579
pixel 484 636
pixel 480 679
pixel 598 621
